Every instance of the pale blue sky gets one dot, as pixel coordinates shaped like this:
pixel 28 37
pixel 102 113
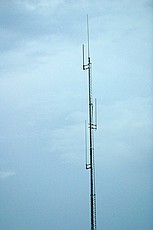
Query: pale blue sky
pixel 43 102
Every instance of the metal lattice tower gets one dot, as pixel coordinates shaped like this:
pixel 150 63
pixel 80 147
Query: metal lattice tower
pixel 92 125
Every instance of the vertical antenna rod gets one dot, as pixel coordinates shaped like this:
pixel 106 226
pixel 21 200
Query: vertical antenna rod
pixel 91 165
pixel 88 36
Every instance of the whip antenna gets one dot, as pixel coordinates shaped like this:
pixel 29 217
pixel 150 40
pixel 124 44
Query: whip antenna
pixel 88 37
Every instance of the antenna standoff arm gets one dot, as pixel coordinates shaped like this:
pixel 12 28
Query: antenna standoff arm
pixel 88 166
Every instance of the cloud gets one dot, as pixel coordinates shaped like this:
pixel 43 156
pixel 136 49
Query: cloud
pixel 127 125
pixel 6 174
pixel 40 5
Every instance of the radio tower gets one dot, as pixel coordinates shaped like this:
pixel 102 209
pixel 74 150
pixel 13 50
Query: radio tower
pixel 92 125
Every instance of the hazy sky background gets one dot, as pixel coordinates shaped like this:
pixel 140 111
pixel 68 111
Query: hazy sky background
pixel 43 105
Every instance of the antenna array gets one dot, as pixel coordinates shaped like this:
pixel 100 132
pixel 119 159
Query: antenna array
pixel 90 164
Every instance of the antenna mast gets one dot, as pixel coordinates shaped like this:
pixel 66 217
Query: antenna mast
pixel 90 164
